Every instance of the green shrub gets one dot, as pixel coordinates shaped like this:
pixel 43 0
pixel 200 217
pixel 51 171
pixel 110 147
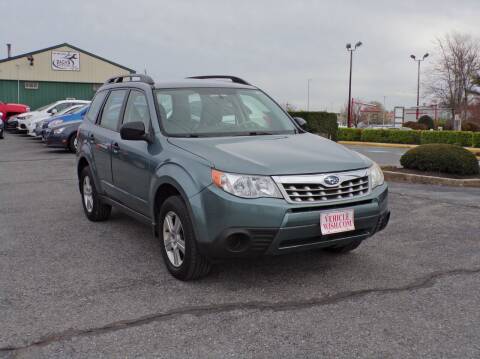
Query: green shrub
pixel 349 134
pixel 427 121
pixel 462 138
pixel 415 125
pixel 443 158
pixel 476 140
pixel 470 126
pixel 323 123
pixel 391 136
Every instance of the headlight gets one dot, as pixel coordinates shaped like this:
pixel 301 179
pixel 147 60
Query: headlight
pixel 26 117
pixel 376 175
pixel 58 130
pixel 55 123
pixel 246 186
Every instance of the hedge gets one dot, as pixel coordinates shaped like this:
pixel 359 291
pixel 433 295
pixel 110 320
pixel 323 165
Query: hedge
pixel 476 139
pixel 323 123
pixel 349 134
pixel 441 157
pixel 462 138
pixel 413 137
pixel 390 136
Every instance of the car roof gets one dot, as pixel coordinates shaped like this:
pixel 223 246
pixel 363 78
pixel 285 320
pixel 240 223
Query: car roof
pixel 187 83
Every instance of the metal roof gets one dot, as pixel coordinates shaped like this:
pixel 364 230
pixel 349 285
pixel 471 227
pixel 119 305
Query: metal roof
pixel 67 45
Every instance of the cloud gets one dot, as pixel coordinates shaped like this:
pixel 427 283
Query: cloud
pixel 275 44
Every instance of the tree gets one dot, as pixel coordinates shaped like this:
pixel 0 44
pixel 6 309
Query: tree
pixel 453 75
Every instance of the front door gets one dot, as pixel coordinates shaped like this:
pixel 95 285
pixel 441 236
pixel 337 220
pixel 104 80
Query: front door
pixel 131 159
pixel 104 135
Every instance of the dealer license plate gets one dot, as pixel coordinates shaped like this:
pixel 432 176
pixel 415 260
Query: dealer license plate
pixel 337 221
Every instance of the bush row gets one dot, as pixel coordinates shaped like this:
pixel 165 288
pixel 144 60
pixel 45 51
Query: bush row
pixel 323 123
pixel 462 138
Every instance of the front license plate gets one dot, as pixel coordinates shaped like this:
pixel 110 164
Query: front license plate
pixel 337 221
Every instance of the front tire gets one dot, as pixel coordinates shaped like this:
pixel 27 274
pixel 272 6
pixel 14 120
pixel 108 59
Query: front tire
pixel 93 207
pixel 178 243
pixel 72 143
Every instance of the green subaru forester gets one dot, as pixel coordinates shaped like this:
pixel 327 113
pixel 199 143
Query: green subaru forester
pixel 219 170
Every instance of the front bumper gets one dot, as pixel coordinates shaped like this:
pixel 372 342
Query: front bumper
pixel 228 226
pixel 57 141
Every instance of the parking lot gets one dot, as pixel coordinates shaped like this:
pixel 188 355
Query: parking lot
pixel 70 287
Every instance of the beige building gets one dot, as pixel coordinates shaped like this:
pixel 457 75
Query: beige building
pixel 58 72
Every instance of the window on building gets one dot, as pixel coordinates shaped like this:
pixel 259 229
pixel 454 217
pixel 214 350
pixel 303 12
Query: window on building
pixel 31 85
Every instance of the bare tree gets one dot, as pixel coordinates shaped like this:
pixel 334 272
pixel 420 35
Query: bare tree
pixel 452 77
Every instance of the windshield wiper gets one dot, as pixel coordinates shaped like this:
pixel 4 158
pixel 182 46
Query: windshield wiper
pixel 259 133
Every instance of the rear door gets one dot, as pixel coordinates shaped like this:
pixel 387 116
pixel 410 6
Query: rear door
pixel 131 159
pixel 104 135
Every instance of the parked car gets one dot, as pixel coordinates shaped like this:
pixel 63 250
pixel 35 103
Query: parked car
pixel 12 109
pixel 221 183
pixel 57 119
pixel 76 115
pixel 27 121
pixel 63 135
pixel 2 127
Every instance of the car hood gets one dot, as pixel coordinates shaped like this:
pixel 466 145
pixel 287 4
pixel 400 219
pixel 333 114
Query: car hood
pixel 25 114
pixel 273 155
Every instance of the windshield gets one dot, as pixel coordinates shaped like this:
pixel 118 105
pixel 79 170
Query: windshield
pixel 220 112
pixel 43 107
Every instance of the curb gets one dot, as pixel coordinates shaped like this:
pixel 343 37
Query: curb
pixel 376 144
pixel 475 151
pixel 421 179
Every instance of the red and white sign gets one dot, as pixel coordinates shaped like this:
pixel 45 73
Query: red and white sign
pixel 337 221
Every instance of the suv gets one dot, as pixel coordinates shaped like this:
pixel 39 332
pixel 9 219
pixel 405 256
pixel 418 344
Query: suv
pixel 219 170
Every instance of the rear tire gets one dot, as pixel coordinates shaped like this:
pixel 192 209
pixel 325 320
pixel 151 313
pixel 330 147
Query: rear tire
pixel 178 243
pixel 93 207
pixel 343 249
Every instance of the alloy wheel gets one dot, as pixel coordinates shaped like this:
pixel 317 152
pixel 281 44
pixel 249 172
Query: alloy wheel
pixel 88 194
pixel 174 238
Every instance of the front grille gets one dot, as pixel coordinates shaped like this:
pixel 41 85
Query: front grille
pixel 312 188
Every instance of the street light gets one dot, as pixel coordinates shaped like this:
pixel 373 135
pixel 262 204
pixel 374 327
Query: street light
pixel 418 78
pixel 351 50
pixel 308 94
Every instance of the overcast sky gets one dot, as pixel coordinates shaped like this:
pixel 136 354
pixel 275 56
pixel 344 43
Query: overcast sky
pixel 274 44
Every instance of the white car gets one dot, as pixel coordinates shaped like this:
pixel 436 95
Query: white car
pixel 28 121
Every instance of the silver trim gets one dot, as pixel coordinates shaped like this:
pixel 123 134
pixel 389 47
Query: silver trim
pixel 318 180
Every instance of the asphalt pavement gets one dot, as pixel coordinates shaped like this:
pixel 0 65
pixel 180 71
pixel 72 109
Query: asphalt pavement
pixel 384 156
pixel 73 288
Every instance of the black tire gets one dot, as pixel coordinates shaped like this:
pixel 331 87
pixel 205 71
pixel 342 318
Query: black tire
pixel 194 264
pixel 71 143
pixel 1 133
pixel 343 249
pixel 98 211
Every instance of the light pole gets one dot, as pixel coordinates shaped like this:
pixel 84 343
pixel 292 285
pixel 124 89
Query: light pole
pixel 308 94
pixel 18 82
pixel 351 50
pixel 418 79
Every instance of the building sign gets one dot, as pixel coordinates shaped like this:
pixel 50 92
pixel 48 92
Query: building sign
pixel 66 60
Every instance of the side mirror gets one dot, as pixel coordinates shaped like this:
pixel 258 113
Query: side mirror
pixel 53 111
pixel 301 122
pixel 133 131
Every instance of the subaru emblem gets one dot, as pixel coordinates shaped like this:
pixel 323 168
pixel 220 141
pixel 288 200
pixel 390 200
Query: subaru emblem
pixel 331 180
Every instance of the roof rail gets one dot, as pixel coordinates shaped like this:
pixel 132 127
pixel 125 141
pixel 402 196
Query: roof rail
pixel 131 77
pixel 234 79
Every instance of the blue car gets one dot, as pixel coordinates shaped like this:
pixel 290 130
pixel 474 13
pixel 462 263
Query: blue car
pixel 63 135
pixel 59 120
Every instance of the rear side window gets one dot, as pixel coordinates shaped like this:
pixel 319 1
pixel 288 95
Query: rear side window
pixel 111 110
pixel 137 109
pixel 95 106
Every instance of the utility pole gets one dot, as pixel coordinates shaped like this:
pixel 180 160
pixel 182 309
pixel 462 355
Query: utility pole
pixel 351 50
pixel 308 95
pixel 418 79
